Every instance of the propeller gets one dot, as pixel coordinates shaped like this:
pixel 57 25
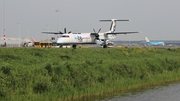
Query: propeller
pixel 97 35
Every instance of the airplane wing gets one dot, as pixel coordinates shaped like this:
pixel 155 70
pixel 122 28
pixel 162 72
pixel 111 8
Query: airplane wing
pixel 123 33
pixel 57 32
pixel 53 32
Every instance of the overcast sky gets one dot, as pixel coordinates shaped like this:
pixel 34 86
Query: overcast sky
pixel 156 19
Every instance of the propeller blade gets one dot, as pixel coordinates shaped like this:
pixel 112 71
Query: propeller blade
pixel 94 30
pixel 61 32
pixel 99 30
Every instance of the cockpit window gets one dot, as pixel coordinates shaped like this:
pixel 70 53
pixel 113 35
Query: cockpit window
pixel 65 36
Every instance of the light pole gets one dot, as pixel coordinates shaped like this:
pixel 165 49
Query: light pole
pixel 47 27
pixel 1 33
pixel 4 31
pixel 57 19
pixel 43 34
pixel 48 30
pixel 48 36
pixel 19 33
pixel 27 31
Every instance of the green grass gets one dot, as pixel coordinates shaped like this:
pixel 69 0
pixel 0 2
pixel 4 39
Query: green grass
pixel 83 74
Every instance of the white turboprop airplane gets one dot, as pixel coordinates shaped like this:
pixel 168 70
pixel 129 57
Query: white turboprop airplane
pixel 89 38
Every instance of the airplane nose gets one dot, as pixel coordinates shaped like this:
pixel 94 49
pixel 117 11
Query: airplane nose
pixel 60 40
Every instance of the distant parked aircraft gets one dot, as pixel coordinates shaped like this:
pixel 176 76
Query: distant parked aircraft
pixel 28 43
pixel 154 43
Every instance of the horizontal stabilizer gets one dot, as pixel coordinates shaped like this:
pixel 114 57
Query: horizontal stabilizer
pixel 114 20
pixel 123 33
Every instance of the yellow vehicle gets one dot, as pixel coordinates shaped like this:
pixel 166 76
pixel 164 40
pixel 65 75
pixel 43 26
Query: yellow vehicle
pixel 43 44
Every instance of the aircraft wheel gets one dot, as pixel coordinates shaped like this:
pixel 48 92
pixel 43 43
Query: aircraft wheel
pixel 60 46
pixel 104 46
pixel 74 46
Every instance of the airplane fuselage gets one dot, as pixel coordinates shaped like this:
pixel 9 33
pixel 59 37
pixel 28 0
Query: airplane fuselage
pixel 155 43
pixel 76 38
pixel 82 38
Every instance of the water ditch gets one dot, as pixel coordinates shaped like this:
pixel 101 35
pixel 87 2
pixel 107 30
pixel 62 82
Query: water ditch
pixel 169 92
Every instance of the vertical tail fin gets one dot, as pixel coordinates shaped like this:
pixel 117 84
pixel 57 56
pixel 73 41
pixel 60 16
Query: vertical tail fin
pixel 113 24
pixel 147 40
pixel 32 39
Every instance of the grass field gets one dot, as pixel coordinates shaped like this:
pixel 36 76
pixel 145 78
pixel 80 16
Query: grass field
pixel 84 73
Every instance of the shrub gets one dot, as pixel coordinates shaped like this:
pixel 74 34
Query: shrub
pixel 40 88
pixel 6 70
